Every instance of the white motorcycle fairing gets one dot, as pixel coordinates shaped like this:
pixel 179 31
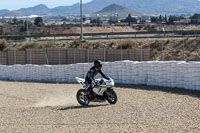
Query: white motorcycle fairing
pixel 99 90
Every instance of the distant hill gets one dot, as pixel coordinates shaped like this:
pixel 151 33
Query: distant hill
pixel 14 13
pixel 74 9
pixel 37 10
pixel 65 9
pixel 143 6
pixel 120 10
pixel 4 11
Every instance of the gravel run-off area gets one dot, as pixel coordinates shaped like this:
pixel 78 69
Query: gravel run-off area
pixel 52 108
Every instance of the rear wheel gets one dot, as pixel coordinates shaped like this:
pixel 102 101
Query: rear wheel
pixel 112 97
pixel 81 97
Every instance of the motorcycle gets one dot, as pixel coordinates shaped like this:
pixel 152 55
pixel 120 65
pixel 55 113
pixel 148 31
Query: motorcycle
pixel 102 91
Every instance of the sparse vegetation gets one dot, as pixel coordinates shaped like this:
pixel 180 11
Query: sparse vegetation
pixel 28 45
pixel 35 45
pixel 125 44
pixel 76 43
pixel 3 45
pixel 150 28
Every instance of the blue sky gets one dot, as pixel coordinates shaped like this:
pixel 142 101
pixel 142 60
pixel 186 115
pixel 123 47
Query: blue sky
pixel 16 4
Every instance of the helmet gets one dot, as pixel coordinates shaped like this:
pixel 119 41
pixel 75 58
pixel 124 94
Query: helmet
pixel 97 63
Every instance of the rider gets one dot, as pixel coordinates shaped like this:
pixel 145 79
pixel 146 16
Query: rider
pixel 90 77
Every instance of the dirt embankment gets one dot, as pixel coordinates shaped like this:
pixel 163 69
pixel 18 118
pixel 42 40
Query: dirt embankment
pixel 76 30
pixel 110 29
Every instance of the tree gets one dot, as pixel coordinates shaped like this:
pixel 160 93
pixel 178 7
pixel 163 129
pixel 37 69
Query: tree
pixel 39 21
pixel 195 19
pixel 130 19
pixel 21 22
pixel 96 21
pixel 24 27
pixel 165 18
pixel 15 21
pixel 175 18
pixel 64 24
pixel 154 19
pixel 29 24
pixel 84 19
pixel 113 19
pixel 160 18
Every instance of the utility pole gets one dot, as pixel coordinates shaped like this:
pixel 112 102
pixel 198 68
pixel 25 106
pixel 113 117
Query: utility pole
pixel 81 19
pixel 27 31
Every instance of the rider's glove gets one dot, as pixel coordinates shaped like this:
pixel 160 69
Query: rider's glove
pixel 108 78
pixel 98 83
pixel 94 82
pixel 101 81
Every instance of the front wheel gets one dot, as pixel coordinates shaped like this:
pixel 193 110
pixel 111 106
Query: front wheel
pixel 112 97
pixel 81 97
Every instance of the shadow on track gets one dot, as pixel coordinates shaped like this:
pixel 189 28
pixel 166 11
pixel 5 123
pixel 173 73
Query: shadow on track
pixel 81 107
pixel 178 91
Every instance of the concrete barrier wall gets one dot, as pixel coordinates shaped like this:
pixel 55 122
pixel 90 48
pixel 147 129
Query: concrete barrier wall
pixel 166 74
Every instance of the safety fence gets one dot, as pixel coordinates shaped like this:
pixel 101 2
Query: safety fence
pixel 55 56
pixel 157 73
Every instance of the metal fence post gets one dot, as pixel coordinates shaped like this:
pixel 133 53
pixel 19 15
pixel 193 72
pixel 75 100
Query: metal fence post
pixel 14 56
pixel 25 58
pixel 7 58
pixel 121 51
pixel 104 54
pixel 183 50
pixel 162 52
pixel 47 61
pixel 74 56
pixel 66 57
pixel 59 55
pixel 30 56
pixel 128 54
pixel 88 55
pixel 141 53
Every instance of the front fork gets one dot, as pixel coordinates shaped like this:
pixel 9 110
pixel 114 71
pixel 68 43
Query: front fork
pixel 106 93
pixel 109 89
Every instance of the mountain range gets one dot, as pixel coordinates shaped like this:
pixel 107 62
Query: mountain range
pixel 143 6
